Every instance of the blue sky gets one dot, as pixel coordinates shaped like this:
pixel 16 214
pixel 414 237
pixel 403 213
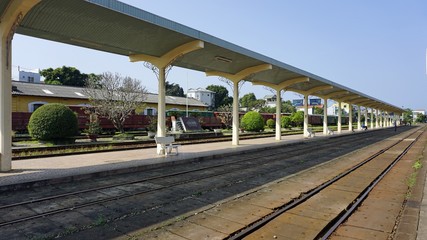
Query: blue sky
pixel 375 47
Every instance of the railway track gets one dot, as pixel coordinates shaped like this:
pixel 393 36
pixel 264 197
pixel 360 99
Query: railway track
pixel 318 213
pixel 19 153
pixel 232 170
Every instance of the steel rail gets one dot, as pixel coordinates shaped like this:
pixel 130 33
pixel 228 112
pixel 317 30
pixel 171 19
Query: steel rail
pixel 65 209
pixel 328 230
pixel 240 234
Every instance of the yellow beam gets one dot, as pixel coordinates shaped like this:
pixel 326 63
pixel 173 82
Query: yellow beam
pixel 168 58
pixel 331 95
pixel 242 74
pixel 282 85
pixel 348 99
pixel 315 89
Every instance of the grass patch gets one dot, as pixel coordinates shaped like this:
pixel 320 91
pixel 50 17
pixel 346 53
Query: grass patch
pixel 412 179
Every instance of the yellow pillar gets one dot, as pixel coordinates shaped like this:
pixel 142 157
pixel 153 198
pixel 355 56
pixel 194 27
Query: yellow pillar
pixel 235 79
pixel 279 88
pixel 162 63
pixel 325 116
pixel 339 130
pixel 305 127
pixel 350 117
pixel 10 20
pixel 278 115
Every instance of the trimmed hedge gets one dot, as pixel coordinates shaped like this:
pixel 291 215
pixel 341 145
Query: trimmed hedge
pixel 252 122
pixel 271 123
pixel 286 122
pixel 53 121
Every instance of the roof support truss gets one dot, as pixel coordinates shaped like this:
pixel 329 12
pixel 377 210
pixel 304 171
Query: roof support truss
pixel 236 78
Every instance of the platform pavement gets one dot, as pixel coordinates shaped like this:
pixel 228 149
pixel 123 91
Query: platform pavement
pixel 42 171
pixel 39 171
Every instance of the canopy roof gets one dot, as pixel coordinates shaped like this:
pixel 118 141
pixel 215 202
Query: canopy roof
pixel 115 27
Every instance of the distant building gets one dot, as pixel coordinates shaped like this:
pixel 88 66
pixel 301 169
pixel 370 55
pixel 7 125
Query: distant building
pixel 203 95
pixel 27 97
pixel 270 100
pixel 416 112
pixel 31 77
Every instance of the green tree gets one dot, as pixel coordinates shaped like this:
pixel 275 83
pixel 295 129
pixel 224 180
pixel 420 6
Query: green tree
pixel 173 89
pixel 286 122
pixel 221 95
pixel 421 118
pixel 407 116
pixel 69 76
pixel 267 109
pixel 287 107
pixel 298 118
pixel 317 110
pixel 248 101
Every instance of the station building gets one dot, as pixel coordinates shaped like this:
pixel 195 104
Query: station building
pixel 27 97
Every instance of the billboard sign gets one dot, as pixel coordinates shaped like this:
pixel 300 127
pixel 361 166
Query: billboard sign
pixel 315 101
pixel 297 102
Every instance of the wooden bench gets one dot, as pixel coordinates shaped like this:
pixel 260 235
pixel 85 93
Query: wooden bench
pixel 311 133
pixel 330 131
pixel 167 144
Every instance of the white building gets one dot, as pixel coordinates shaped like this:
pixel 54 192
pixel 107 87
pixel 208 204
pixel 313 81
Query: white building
pixel 205 96
pixel 270 100
pixel 31 77
pixel 416 112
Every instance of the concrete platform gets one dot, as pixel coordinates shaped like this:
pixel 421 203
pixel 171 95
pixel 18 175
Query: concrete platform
pixel 42 171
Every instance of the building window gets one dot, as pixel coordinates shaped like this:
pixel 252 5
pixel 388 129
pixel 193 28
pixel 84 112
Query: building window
pixel 150 112
pixel 34 105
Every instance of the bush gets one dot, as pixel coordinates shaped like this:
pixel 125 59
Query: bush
pixel 298 118
pixel 271 123
pixel 253 122
pixel 286 122
pixel 53 121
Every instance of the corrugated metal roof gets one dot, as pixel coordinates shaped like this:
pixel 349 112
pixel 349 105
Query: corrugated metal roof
pixel 60 91
pixel 115 27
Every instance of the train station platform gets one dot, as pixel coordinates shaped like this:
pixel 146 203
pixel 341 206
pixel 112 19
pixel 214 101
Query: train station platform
pixel 50 170
pixel 47 170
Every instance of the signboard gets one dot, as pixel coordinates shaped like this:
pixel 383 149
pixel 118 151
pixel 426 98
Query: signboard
pixel 315 101
pixel 190 124
pixel 297 102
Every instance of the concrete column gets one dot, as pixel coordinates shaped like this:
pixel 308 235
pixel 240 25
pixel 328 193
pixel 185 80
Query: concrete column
pixel 5 102
pixel 376 118
pixel 350 117
pixel 325 116
pixel 381 119
pixel 386 119
pixel 359 118
pixel 161 108
pixel 339 130
pixel 366 116
pixel 372 118
pixel 235 138
pixel 305 116
pixel 278 115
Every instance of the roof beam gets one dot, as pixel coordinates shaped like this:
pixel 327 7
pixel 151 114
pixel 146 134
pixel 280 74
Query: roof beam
pixel 331 95
pixel 348 99
pixel 169 57
pixel 282 85
pixel 313 90
pixel 242 74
